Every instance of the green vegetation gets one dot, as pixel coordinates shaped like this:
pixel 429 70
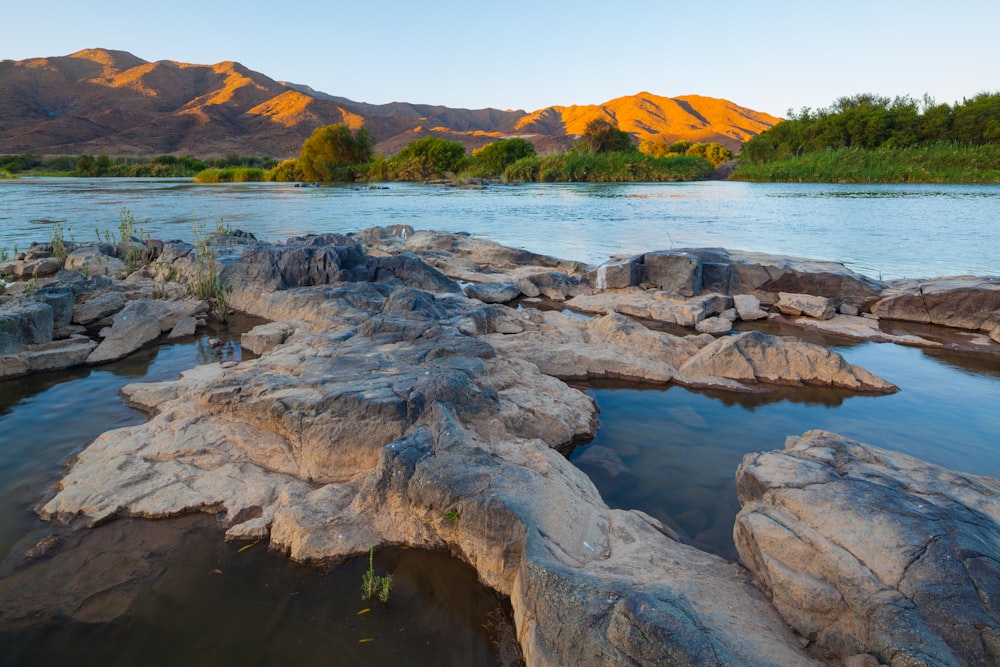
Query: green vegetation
pixel 713 152
pixel 867 138
pixel 932 163
pixel 207 283
pixel 330 152
pixel 492 159
pixel 603 154
pixel 373 585
pixel 128 167
pixel 230 175
pixel 619 167
pixel 602 136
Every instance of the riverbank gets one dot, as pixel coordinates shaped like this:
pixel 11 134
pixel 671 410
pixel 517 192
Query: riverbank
pixel 446 411
pixel 935 163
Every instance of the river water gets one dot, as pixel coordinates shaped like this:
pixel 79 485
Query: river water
pixel 672 452
pixel 893 231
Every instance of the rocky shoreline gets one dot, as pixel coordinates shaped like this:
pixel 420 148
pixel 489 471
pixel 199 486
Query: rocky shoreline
pixel 408 392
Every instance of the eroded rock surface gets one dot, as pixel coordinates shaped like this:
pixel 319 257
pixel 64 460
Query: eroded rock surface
pixel 386 417
pixel 865 550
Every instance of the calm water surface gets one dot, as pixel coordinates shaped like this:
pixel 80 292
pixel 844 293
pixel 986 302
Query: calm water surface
pixel 888 230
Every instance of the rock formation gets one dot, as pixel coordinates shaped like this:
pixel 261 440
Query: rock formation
pixel 389 407
pixel 864 550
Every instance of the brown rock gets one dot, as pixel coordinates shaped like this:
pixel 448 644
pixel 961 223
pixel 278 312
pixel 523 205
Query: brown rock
pixel 864 550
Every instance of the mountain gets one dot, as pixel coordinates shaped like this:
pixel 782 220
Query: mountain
pixel 101 101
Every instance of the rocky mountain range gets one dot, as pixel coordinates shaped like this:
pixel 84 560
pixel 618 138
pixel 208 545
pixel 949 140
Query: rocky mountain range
pixel 102 101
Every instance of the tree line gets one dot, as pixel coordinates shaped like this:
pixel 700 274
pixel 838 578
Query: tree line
pixel 603 153
pixel 869 121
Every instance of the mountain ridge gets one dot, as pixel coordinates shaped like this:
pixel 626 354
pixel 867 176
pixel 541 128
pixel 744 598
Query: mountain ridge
pixel 112 102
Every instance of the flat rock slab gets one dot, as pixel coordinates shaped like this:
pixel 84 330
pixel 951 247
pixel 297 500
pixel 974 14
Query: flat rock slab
pixel 866 550
pixel 964 302
pixel 136 325
pixel 653 305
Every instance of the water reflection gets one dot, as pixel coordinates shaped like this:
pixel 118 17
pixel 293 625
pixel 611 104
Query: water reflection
pixel 173 592
pixel 673 453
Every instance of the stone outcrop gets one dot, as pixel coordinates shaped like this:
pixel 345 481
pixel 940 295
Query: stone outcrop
pixel 388 407
pixel 753 357
pixel 692 271
pixel 818 307
pixel 864 550
pixel 652 305
pixel 397 422
pixel 963 302
pixel 136 325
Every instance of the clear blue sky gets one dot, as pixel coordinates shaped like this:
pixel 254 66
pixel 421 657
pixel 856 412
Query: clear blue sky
pixel 528 55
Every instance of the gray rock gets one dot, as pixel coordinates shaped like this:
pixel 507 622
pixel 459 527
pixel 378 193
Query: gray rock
pixel 818 307
pixel 748 307
pixel 98 307
pixel 961 302
pixel 61 300
pixel 493 292
pixel 91 261
pixel 24 322
pixel 617 274
pixel 753 357
pixel 714 325
pixel 136 325
pixel 676 272
pixel 31 268
pixel 865 550
pixel 849 309
pixel 185 327
pixel 552 285
pixel 265 337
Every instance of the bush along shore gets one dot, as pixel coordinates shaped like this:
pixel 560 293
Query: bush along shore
pixel 872 139
pixel 394 399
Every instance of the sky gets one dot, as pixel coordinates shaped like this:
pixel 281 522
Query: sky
pixel 771 57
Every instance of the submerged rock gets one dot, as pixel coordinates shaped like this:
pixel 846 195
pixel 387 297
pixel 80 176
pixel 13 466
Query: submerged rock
pixel 864 550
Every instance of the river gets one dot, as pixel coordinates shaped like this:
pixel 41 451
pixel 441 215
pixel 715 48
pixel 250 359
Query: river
pixel 677 448
pixel 892 231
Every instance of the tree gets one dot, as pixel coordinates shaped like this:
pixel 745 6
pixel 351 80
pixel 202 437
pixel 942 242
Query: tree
pixel 603 136
pixel 331 148
pixel 431 156
pixel 713 152
pixel 497 156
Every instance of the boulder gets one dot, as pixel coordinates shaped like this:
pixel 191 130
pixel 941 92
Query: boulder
pixel 98 306
pixel 492 292
pixel 184 327
pixel 692 271
pixel 26 269
pixel 552 285
pixel 612 346
pixel 753 357
pixel 24 322
pixel 136 325
pixel 868 551
pixel 748 307
pixel 676 272
pixel 92 261
pixel 61 300
pixel 265 337
pixel 962 302
pixel 818 307
pixel 652 305
pixel 714 325
pixel 616 274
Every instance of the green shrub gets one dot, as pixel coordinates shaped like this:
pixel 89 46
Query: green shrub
pixel 230 175
pixel 492 159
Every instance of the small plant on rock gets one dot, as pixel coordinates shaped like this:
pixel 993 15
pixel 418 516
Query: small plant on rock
pixel 208 283
pixel 373 585
pixel 57 239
